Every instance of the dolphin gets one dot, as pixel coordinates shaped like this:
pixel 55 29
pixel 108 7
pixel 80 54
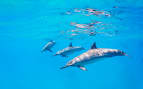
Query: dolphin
pixel 92 55
pixel 69 50
pixel 48 46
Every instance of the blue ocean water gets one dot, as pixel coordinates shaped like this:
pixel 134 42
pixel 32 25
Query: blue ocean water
pixel 27 25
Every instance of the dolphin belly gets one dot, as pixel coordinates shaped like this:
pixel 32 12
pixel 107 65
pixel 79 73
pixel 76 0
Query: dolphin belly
pixel 69 51
pixel 88 61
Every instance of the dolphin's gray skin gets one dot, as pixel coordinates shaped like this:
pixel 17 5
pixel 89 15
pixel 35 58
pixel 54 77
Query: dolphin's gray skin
pixel 69 50
pixel 48 46
pixel 93 55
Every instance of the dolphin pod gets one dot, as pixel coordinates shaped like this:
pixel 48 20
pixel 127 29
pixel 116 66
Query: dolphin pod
pixel 91 56
pixel 64 52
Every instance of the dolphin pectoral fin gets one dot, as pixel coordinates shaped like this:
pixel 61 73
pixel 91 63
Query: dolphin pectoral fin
pixel 64 55
pixel 82 68
pixel 55 54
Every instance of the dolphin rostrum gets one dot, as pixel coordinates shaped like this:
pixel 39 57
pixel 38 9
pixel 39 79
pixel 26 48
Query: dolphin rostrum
pixel 93 55
pixel 69 50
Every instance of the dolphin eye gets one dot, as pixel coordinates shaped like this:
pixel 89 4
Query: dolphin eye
pixel 123 53
pixel 120 51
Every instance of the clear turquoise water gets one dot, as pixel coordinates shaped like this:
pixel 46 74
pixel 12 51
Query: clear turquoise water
pixel 26 25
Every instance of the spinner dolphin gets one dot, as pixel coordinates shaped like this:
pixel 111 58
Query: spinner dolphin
pixel 92 55
pixel 69 50
pixel 48 46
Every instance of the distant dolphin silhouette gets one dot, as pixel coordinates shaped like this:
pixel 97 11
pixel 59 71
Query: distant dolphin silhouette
pixel 69 50
pixel 48 46
pixel 92 55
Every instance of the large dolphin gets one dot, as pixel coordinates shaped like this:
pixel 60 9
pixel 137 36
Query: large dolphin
pixel 69 50
pixel 93 55
pixel 48 46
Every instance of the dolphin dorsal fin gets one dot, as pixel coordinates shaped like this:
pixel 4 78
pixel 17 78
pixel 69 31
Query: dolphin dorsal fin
pixel 93 46
pixel 70 45
pixel 51 41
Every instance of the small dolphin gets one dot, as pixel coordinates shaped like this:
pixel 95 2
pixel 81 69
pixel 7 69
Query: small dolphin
pixel 93 55
pixel 69 50
pixel 48 46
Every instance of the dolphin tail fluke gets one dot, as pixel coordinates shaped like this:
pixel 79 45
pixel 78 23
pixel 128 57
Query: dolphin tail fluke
pixel 50 50
pixel 42 51
pixel 64 67
pixel 45 50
